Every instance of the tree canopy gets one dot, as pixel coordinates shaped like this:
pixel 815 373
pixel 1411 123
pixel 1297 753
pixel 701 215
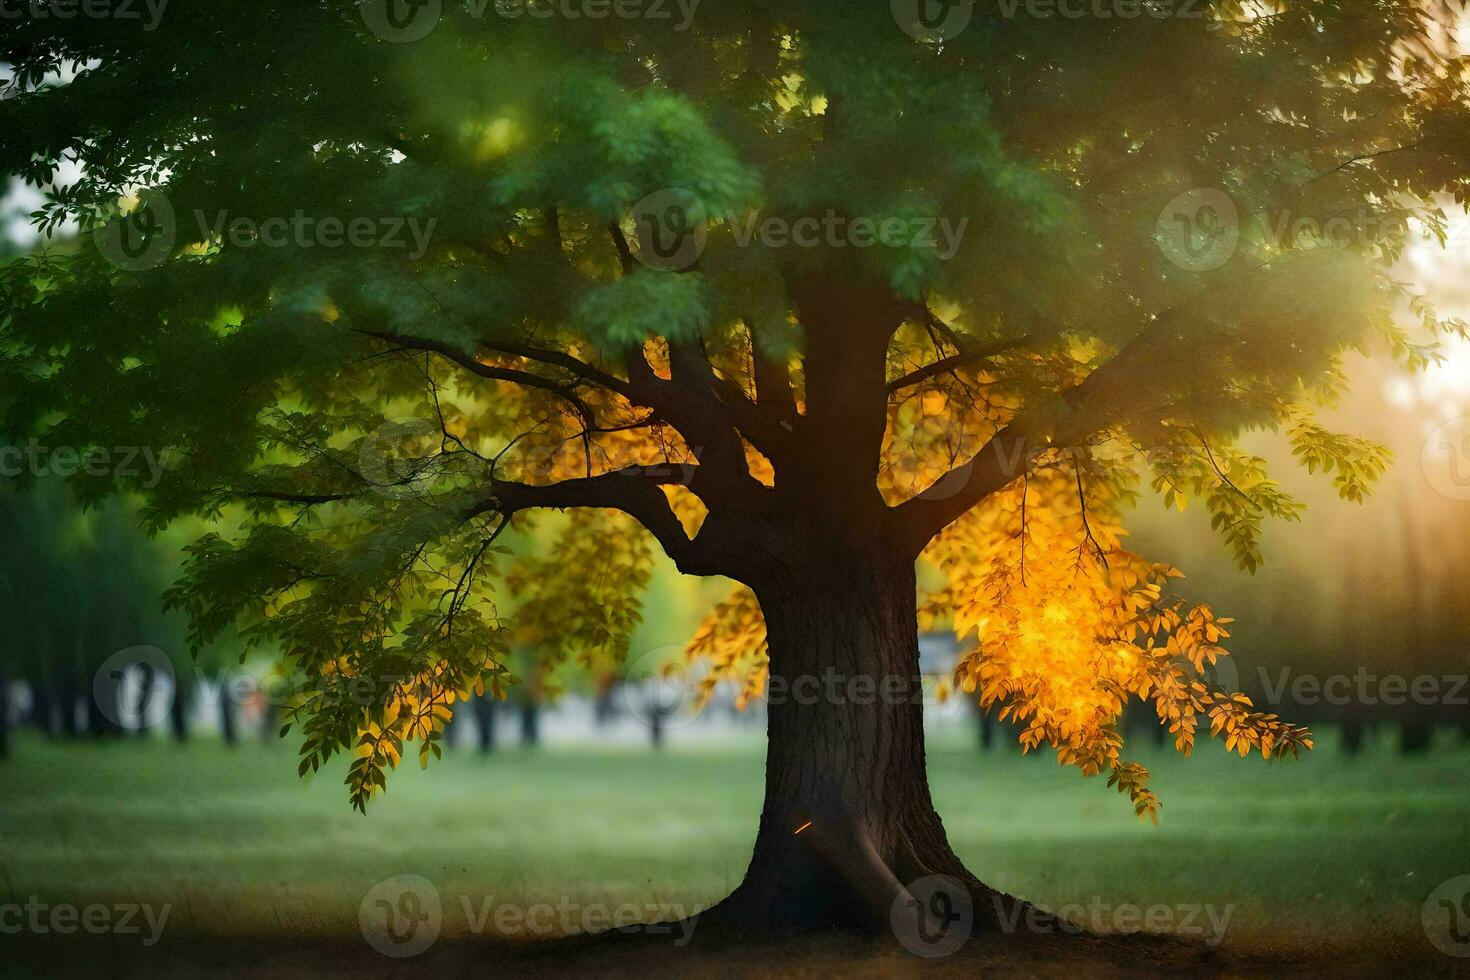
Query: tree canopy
pixel 791 275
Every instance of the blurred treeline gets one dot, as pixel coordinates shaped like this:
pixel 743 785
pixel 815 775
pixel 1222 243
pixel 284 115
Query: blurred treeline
pixel 1368 590
pixel 77 587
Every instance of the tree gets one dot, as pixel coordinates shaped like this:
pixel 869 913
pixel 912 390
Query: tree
pixel 807 291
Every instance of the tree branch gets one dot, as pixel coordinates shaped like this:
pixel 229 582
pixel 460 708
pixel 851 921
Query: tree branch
pixel 1096 403
pixel 476 367
pixel 636 491
pixel 944 365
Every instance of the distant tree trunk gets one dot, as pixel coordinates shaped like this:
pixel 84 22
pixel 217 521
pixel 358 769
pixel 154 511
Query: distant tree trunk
pixel 42 713
pixel 1141 722
pixel 1415 734
pixel 484 706
pixel 530 725
pixel 4 716
pixel 1352 735
pixel 848 824
pixel 145 700
pixel 178 711
pixel 104 709
pixel 228 727
pixel 602 707
pixel 66 696
pixel 656 726
pixel 270 722
pixel 1415 728
pixel 987 729
pixel 100 723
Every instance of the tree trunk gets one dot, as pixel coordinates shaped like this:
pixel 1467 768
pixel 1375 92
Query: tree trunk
pixel 4 716
pixel 848 825
pixel 228 729
pixel 656 726
pixel 178 711
pixel 67 696
pixel 145 701
pixel 1416 732
pixel 484 707
pixel 987 728
pixel 530 725
pixel 1352 736
pixel 42 714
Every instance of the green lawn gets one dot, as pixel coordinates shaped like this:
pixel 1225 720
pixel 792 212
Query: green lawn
pixel 1322 851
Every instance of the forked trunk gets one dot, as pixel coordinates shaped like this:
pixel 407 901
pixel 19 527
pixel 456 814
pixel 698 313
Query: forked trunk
pixel 848 827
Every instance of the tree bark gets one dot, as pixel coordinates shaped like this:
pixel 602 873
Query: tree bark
pixel 68 695
pixel 848 824
pixel 42 714
pixel 4 716
pixel 484 707
pixel 228 729
pixel 178 711
pixel 144 702
pixel 1416 732
pixel 530 725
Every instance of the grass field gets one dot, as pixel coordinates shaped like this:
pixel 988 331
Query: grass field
pixel 1324 856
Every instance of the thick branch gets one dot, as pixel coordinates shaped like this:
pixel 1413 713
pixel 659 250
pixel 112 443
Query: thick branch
pixel 636 491
pixel 476 367
pixel 773 384
pixel 1097 403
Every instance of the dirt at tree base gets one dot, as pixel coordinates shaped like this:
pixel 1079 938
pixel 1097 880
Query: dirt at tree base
pixel 720 951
